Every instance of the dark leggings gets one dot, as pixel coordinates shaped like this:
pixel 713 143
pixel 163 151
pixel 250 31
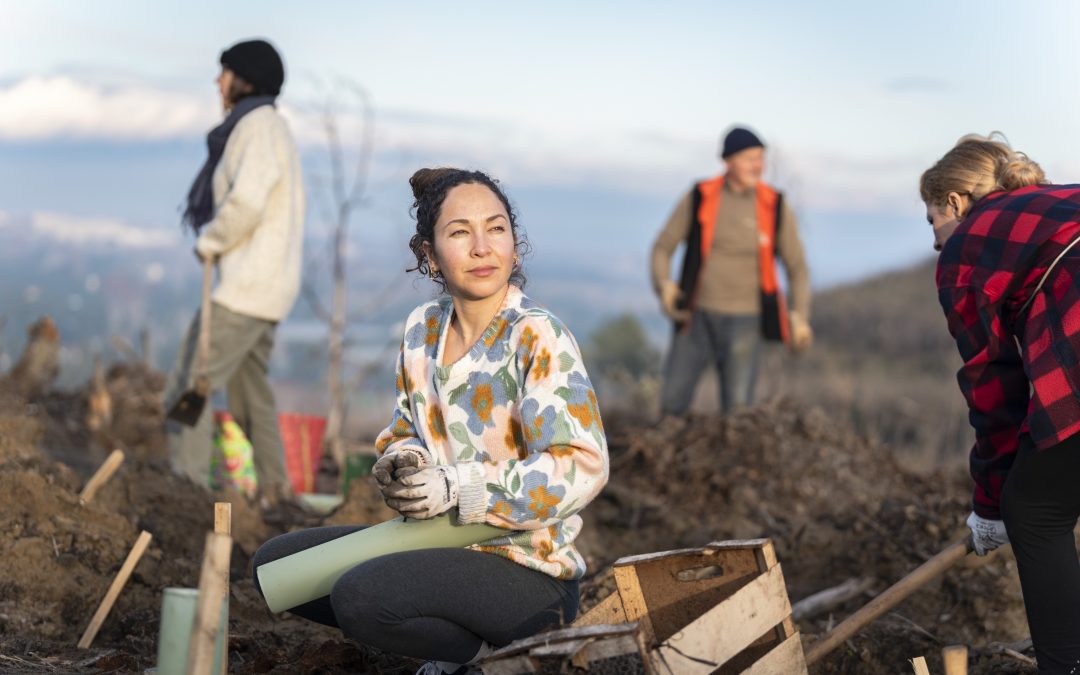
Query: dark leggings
pixel 1040 504
pixel 435 604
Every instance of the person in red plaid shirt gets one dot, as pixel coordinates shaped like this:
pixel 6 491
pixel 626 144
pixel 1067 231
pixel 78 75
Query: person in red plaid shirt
pixel 1008 279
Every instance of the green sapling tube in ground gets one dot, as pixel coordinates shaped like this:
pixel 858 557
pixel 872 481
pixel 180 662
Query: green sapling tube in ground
pixel 310 574
pixel 177 620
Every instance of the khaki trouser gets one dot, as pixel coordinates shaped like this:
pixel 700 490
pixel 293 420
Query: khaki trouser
pixel 239 361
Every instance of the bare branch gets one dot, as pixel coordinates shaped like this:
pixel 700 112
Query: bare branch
pixel 307 292
pixel 367 142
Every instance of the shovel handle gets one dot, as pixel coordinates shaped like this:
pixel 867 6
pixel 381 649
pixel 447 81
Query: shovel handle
pixel 891 597
pixel 202 365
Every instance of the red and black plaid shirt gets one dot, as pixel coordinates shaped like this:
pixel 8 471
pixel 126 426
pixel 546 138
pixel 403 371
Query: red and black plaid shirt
pixel 1021 374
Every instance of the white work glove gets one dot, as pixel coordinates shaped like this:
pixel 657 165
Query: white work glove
pixel 423 493
pixel 386 466
pixel 670 296
pixel 986 534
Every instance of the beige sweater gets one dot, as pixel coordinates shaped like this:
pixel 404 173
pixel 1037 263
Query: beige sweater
pixel 730 282
pixel 257 230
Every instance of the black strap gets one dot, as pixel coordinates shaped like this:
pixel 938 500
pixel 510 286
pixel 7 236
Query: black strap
pixel 691 265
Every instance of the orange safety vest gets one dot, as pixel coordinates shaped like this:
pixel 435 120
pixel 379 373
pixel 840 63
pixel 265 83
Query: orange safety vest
pixel 706 204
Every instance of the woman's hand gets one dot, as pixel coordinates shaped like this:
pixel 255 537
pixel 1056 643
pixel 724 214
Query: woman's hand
pixel 423 493
pixel 386 467
pixel 986 534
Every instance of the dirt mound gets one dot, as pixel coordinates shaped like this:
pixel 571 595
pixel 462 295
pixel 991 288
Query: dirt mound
pixel 835 505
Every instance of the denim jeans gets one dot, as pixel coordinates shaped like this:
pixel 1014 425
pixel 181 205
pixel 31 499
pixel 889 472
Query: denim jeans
pixel 730 341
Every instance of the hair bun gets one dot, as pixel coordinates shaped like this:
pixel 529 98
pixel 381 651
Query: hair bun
pixel 1019 171
pixel 423 179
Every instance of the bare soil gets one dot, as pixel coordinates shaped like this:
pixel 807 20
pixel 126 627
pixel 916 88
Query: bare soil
pixel 835 504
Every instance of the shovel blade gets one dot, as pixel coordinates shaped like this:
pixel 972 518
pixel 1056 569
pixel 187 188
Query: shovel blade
pixel 189 407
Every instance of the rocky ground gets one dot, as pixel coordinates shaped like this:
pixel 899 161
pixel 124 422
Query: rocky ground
pixel 836 506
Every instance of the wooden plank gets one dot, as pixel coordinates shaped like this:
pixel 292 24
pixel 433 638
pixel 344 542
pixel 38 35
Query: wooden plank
pixel 678 589
pixel 728 628
pixel 733 545
pixel 610 610
pixel 573 633
pixel 607 648
pixel 102 475
pixel 558 650
pixel 766 556
pixel 956 660
pixel 787 658
pixel 204 631
pixel 918 664
pixel 223 525
pixel 512 666
pixel 633 600
pixel 114 589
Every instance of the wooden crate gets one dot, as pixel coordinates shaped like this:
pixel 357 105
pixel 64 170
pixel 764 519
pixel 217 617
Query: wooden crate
pixel 722 608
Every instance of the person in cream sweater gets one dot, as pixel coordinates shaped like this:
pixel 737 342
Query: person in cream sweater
pixel 246 207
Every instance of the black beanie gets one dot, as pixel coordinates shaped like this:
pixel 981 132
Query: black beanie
pixel 258 63
pixel 739 139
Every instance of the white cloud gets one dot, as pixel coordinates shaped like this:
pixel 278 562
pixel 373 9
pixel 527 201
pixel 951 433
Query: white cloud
pixel 40 107
pixel 647 160
pixel 83 230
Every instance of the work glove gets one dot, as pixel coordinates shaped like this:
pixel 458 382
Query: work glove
pixel 423 493
pixel 801 333
pixel 670 297
pixel 387 466
pixel 986 534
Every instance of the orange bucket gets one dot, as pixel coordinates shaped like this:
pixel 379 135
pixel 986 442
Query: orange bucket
pixel 302 436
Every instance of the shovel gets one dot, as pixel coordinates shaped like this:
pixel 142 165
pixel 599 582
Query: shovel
pixel 891 597
pixel 189 407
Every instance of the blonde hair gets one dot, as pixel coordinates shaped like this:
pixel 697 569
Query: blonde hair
pixel 976 166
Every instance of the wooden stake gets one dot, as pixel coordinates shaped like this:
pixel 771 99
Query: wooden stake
pixel 223 525
pixel 956 660
pixel 223 518
pixel 919 665
pixel 215 567
pixel 104 473
pixel 114 590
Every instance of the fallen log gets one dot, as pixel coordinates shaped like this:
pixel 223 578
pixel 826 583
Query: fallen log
pixel 830 598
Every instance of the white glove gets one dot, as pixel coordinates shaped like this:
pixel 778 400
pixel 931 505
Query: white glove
pixel 386 466
pixel 423 493
pixel 986 534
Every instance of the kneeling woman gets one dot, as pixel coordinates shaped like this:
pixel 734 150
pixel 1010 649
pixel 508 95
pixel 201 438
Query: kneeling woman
pixel 496 422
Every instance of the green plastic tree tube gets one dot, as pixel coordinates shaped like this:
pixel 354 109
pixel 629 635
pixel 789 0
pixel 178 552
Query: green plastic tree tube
pixel 311 573
pixel 177 619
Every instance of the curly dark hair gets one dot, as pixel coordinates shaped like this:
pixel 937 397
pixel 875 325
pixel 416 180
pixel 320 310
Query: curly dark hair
pixel 429 187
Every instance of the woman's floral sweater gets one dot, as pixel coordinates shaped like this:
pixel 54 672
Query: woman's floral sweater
pixel 518 416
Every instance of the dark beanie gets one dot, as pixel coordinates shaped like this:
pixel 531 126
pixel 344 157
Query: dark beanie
pixel 739 139
pixel 258 63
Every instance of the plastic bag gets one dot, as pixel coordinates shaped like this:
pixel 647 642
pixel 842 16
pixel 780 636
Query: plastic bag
pixel 232 463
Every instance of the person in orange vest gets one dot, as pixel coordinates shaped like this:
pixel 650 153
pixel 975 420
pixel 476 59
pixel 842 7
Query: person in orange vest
pixel 727 299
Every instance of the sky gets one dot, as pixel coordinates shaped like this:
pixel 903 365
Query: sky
pixel 103 106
